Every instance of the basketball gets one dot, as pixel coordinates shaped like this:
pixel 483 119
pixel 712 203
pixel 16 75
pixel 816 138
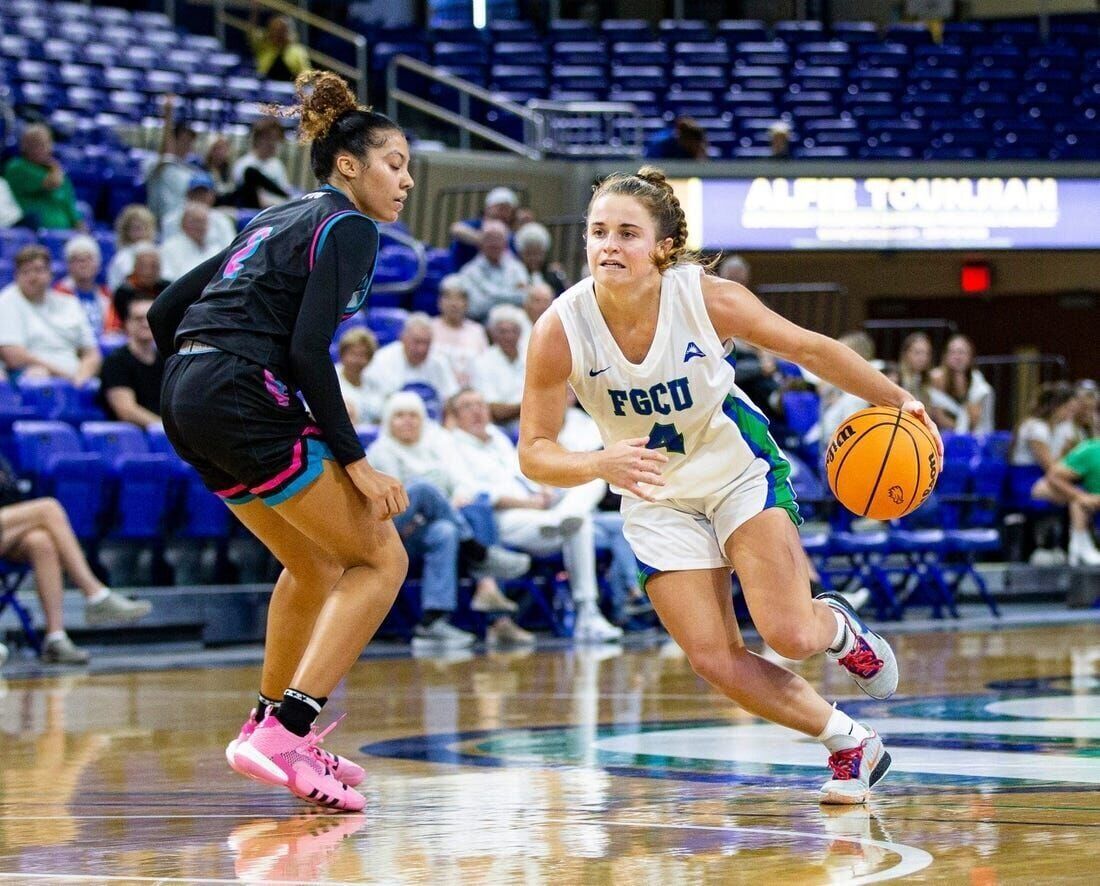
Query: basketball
pixel 882 463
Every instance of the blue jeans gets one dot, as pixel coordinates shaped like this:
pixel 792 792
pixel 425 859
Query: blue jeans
pixel 623 573
pixel 432 529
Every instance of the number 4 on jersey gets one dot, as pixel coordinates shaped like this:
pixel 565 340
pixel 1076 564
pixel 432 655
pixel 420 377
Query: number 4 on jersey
pixel 665 437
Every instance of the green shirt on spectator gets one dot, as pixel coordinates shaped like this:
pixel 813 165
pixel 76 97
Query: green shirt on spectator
pixel 1084 461
pixel 55 209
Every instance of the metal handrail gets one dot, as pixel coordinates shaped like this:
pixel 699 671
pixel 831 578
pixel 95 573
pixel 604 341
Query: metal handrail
pixel 534 123
pixel 357 73
pixel 412 284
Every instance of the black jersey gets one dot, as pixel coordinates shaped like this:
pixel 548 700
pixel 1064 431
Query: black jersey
pixel 275 296
pixel 251 305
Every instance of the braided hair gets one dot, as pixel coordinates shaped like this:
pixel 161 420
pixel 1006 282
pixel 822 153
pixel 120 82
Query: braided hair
pixel 331 121
pixel 651 188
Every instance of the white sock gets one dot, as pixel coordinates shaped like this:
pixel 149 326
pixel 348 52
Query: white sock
pixel 99 596
pixel 842 732
pixel 843 641
pixel 1081 538
pixel 55 635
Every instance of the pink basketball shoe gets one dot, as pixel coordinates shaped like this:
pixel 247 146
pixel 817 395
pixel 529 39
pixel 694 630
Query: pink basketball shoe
pixel 274 755
pixel 345 770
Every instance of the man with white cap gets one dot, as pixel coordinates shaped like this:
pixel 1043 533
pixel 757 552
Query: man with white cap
pixel 500 205
pixel 494 276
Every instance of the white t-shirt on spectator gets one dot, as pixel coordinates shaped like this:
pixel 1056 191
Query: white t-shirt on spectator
pixel 459 347
pixel 490 466
pixel 365 397
pixel 121 265
pixel 179 254
pixel 431 459
pixel 1064 436
pixel 498 379
pixel 980 392
pixel 55 330
pixel 1031 430
pixel 389 371
pixel 273 168
pixel 489 285
pixel 219 234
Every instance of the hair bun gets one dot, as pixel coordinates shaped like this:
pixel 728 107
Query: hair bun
pixel 323 98
pixel 655 176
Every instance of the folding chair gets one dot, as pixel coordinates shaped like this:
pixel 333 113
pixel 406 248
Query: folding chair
pixel 12 576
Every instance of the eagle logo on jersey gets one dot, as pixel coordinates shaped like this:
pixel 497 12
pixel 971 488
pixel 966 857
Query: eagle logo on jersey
pixel 693 350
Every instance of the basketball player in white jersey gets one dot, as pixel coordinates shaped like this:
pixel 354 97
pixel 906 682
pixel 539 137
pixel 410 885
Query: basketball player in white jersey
pixel 644 343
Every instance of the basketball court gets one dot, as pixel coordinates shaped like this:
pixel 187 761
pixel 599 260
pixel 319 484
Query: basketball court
pixel 568 765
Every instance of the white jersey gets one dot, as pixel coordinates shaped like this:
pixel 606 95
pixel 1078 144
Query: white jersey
pixel 682 395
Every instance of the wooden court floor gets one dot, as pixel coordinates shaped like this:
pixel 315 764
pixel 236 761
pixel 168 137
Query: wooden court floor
pixel 599 766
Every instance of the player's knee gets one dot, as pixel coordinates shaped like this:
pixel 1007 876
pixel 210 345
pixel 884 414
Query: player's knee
pixel 315 573
pixel 713 663
pixel 794 641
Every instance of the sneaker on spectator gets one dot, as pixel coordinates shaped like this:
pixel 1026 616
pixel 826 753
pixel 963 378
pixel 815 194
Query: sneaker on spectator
pixel 442 633
pixel 3 654
pixel 592 627
pixel 116 608
pixel 62 650
pixel 502 563
pixel 275 755
pixel 505 632
pixel 564 528
pixel 490 598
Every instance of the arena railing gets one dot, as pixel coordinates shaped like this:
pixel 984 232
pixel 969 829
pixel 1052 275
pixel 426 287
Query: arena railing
pixel 357 73
pixel 542 122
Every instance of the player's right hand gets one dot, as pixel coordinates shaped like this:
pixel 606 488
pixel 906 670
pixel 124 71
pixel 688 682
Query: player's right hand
pixel 385 494
pixel 630 466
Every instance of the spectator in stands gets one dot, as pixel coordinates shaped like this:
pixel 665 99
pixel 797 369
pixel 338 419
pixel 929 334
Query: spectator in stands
pixel 915 365
pixel 134 226
pixel 498 373
pixel 1084 424
pixel 191 245
pixel 495 276
pixel 167 177
pixel 278 53
pixel 44 333
pixel 410 361
pixel 1033 442
pixel 418 453
pixel 12 216
pixel 39 183
pixel 536 303
pixel 683 140
pixel 533 248
pixel 735 268
pixel 37 531
pixel 501 204
pixel 145 280
pixel 1074 481
pixel 221 228
pixel 259 177
pixel 455 337
pixel 779 134
pixel 129 388
pixel 83 259
pixel 530 517
pixel 357 348
pixel 837 405
pixel 960 398
pixel 218 162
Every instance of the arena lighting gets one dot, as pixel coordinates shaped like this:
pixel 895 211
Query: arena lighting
pixel 480 13
pixel 976 277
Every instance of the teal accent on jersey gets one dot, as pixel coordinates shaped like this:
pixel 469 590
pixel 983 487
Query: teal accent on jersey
pixel 754 429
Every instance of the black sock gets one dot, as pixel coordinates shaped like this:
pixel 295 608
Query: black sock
pixel 431 616
pixel 265 706
pixel 298 711
pixel 472 552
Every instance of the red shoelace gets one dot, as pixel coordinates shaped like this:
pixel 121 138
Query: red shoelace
pixel 845 764
pixel 862 660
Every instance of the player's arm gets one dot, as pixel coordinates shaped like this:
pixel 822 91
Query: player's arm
pixel 542 459
pixel 166 312
pixel 737 313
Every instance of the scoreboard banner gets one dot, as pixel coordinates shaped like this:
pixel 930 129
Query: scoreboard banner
pixel 933 212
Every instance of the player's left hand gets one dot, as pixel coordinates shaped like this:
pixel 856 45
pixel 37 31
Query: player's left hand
pixel 916 409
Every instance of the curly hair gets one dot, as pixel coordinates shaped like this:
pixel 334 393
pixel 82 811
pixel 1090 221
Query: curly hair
pixel 651 188
pixel 331 120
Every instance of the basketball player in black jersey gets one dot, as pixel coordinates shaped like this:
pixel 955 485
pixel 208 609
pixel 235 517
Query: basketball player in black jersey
pixel 244 332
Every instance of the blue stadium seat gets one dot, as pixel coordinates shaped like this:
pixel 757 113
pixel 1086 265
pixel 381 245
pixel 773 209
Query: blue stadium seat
pixel 51 454
pixel 735 31
pixel 639 53
pixel 433 402
pixel 767 52
pixel 386 323
pixel 581 52
pixel 635 29
pixel 715 52
pixel 367 434
pixel 853 32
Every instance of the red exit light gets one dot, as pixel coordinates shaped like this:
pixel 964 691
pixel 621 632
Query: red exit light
pixel 976 277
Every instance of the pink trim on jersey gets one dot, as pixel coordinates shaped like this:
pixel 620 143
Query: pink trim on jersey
pixel 291 470
pixel 311 431
pixel 233 490
pixel 320 228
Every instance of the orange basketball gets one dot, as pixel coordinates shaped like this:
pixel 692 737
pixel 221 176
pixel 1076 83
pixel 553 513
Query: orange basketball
pixel 882 463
